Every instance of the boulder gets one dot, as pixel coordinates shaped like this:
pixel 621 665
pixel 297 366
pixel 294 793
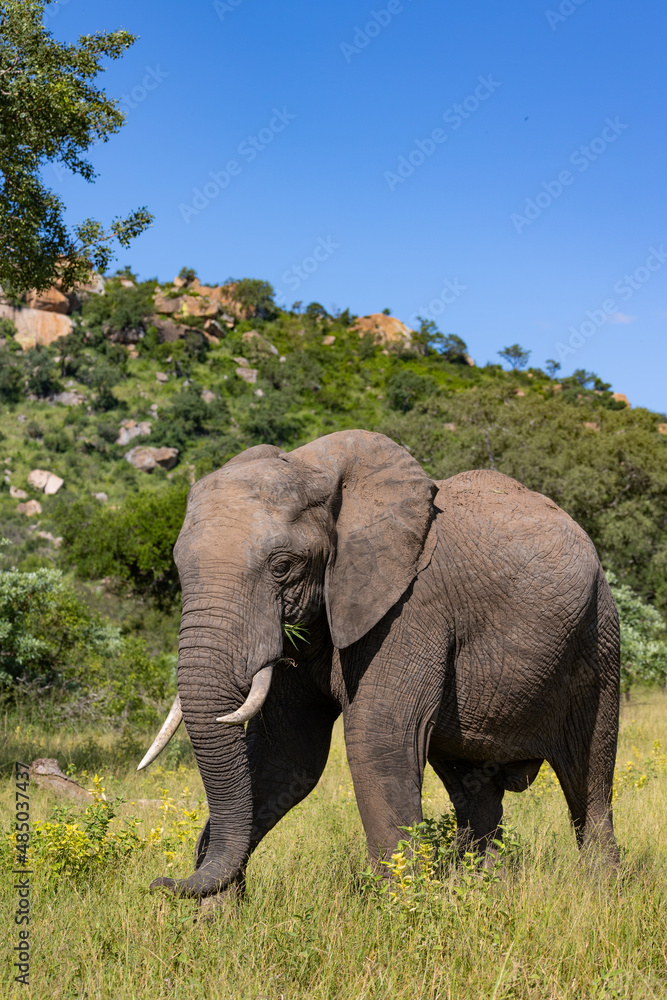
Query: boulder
pixel 93 287
pixel 53 484
pixel 46 773
pixel 592 425
pixel 30 508
pixel 48 482
pixel 248 375
pixel 164 304
pixel 130 429
pixel 129 335
pixel 662 428
pixel 69 398
pixel 208 396
pixel 168 331
pixel 620 397
pixel 50 300
pixel 17 494
pixel 146 459
pixel 213 329
pixel 241 361
pixel 56 542
pixel 385 330
pixel 102 497
pixel 161 377
pixel 199 305
pixel 449 427
pixel 38 478
pixel 258 343
pixel 36 327
pixel 329 340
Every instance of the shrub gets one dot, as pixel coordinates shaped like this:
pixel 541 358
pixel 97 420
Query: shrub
pixel 11 377
pixel 132 544
pixel 643 638
pixel 42 375
pixel 405 388
pixel 188 416
pixel 46 630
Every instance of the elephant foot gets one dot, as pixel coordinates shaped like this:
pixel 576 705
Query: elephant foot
pixel 222 905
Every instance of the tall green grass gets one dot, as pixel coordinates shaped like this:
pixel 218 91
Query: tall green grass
pixel 309 928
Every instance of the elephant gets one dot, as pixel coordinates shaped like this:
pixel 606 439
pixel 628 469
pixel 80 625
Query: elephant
pixel 466 622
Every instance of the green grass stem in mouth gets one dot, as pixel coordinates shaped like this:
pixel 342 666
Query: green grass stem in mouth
pixel 296 631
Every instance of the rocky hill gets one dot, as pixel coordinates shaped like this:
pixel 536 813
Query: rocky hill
pixel 126 391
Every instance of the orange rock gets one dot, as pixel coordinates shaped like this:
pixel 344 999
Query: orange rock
pixel 50 300
pixel 592 425
pixel 30 508
pixel 620 397
pixel 519 392
pixel 662 428
pixel 199 305
pixel 36 327
pixel 386 330
pixel 164 304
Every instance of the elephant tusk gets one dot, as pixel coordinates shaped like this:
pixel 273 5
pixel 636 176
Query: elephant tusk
pixel 259 689
pixel 171 724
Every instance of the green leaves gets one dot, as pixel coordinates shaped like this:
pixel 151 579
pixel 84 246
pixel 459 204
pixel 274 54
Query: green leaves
pixel 133 544
pixel 296 631
pixel 50 111
pixel 643 638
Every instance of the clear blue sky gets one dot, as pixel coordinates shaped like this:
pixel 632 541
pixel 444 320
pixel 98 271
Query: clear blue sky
pixel 317 112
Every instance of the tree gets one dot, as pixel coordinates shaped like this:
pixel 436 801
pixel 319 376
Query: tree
pixel 257 296
pixel 51 112
pixel 552 367
pixel 187 274
pixel 405 388
pixel 515 356
pixel 454 348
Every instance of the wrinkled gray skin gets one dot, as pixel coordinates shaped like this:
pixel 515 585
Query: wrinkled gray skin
pixel 466 622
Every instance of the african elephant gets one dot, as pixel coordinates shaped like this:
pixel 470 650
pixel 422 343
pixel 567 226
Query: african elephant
pixel 466 622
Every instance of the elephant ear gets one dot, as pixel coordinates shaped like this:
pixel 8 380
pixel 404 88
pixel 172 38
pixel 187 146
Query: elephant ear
pixel 383 508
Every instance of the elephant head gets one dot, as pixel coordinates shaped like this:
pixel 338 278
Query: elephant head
pixel 340 524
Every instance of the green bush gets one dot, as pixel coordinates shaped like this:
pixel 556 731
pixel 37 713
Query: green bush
pixel 55 646
pixel 405 388
pixel 46 630
pixel 132 544
pixel 643 638
pixel 41 372
pixel 11 377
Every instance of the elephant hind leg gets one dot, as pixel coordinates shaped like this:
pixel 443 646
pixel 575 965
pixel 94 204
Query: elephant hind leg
pixel 584 765
pixel 477 796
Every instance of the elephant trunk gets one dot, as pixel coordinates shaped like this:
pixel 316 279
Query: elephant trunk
pixel 210 688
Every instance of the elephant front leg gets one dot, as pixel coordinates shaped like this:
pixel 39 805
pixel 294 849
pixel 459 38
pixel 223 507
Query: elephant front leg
pixel 387 766
pixel 288 746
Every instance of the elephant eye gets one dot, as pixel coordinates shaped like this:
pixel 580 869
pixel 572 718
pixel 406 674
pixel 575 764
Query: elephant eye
pixel 281 567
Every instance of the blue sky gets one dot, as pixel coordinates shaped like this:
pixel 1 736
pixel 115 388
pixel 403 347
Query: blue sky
pixel 496 167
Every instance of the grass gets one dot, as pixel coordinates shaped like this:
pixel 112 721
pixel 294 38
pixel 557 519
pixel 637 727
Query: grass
pixel 308 929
